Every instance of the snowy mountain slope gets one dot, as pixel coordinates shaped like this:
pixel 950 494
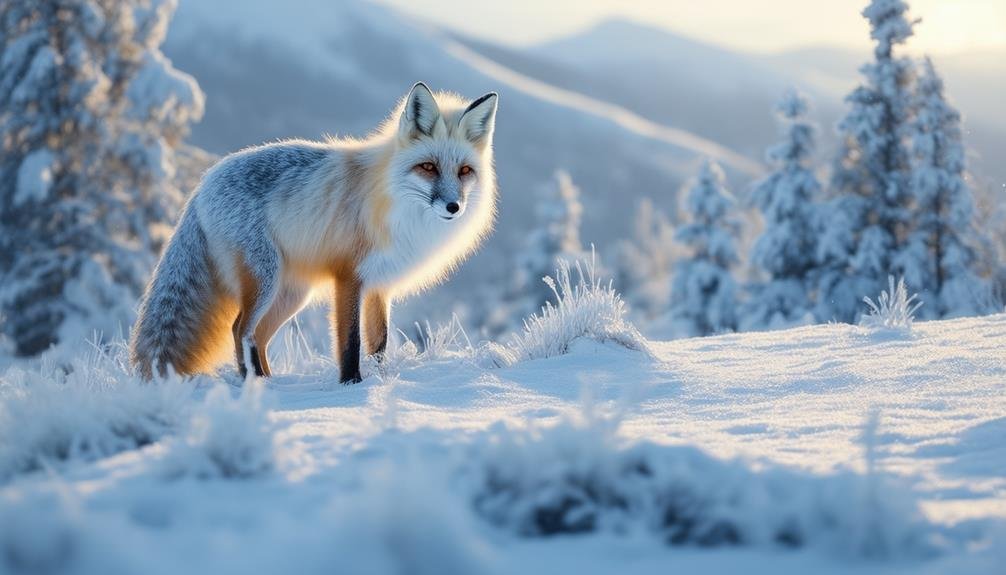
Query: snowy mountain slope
pixel 436 464
pixel 658 74
pixel 718 93
pixel 318 67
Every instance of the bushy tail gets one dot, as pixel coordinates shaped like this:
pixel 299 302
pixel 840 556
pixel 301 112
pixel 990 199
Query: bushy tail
pixel 185 318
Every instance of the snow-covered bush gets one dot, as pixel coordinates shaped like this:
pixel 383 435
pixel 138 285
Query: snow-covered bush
pixel 443 341
pixel 894 308
pixel 585 307
pixel 231 438
pixel 579 478
pixel 90 409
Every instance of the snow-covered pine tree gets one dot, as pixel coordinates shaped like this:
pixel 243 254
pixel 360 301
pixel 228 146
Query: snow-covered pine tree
pixel 786 198
pixel 703 293
pixel 867 220
pixel 643 265
pixel 940 260
pixel 556 237
pixel 90 113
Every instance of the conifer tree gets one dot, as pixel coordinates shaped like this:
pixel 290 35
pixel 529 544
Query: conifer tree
pixel 556 236
pixel 940 260
pixel 786 198
pixel 90 114
pixel 867 221
pixel 644 264
pixel 703 293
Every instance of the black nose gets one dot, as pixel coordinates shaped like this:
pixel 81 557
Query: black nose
pixel 453 207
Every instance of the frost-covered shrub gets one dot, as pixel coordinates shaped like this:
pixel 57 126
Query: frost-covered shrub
pixel 894 309
pixel 584 307
pixel 576 478
pixel 443 341
pixel 231 438
pixel 90 409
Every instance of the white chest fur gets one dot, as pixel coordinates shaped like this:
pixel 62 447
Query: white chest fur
pixel 423 248
pixel 417 254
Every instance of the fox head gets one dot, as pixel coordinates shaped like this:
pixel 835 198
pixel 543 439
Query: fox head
pixel 443 151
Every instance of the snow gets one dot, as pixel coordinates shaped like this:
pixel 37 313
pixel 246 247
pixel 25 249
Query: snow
pixel 34 177
pixel 723 454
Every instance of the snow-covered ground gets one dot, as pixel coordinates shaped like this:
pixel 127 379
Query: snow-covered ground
pixel 820 449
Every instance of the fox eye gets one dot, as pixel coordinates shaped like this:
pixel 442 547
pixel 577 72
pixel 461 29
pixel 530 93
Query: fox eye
pixel 465 170
pixel 428 167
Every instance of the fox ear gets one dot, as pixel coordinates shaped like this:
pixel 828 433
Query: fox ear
pixel 421 113
pixel 479 119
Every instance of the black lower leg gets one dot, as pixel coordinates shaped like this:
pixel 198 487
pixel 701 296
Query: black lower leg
pixel 349 358
pixel 256 362
pixel 238 348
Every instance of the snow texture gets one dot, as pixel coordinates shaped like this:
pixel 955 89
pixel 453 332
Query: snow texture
pixel 808 450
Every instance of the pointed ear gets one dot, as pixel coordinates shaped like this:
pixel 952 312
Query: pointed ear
pixel 421 113
pixel 479 119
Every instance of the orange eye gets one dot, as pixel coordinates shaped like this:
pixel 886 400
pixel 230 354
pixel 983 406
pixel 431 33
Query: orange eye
pixel 428 167
pixel 465 170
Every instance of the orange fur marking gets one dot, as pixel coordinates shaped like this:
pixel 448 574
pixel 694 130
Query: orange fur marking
pixel 211 343
pixel 375 321
pixel 379 219
pixel 345 307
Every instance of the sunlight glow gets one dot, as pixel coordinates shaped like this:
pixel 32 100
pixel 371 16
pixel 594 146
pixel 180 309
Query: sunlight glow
pixel 767 26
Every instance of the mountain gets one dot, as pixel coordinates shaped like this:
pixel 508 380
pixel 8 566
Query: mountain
pixel 712 91
pixel 727 96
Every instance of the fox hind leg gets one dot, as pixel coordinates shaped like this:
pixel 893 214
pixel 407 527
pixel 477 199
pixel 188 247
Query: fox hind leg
pixel 259 274
pixel 291 299
pixel 238 348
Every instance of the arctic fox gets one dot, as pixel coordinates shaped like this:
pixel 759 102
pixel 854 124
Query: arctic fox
pixel 271 226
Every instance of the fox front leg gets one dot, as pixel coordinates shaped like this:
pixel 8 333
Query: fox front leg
pixel 376 309
pixel 346 317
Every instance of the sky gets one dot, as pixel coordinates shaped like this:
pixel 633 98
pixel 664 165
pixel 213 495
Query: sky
pixel 948 26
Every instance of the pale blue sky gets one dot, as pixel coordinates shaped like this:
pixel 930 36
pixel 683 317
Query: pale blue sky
pixel 756 25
